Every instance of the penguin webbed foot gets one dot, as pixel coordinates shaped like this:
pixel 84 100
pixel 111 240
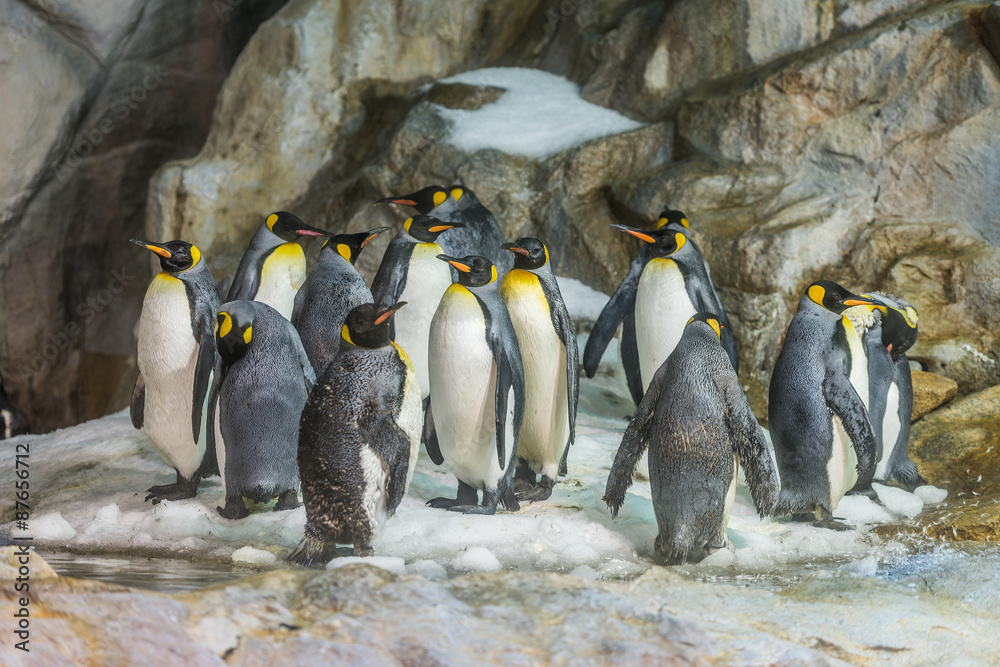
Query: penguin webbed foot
pixel 824 519
pixel 863 491
pixel 311 552
pixel 474 509
pixel 181 489
pixel 467 495
pixel 235 509
pixel 541 491
pixel 288 500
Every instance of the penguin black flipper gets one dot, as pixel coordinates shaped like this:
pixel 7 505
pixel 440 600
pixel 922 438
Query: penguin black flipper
pixel 382 433
pixel 510 374
pixel 138 403
pixel 634 444
pixel 202 380
pixel 430 438
pixel 630 358
pixel 844 402
pixel 751 448
pixel 620 305
pixel 247 279
pixel 210 461
pixel 390 280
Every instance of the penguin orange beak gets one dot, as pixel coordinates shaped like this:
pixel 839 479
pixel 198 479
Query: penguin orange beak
pixel 381 319
pixel 513 248
pixel 372 234
pixel 464 268
pixel 441 228
pixel 872 303
pixel 634 232
pixel 155 247
pixel 402 201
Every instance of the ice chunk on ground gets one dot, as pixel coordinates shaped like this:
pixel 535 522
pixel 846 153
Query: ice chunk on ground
pixel 388 563
pixel 476 559
pixel 51 527
pixel 428 569
pixel 584 572
pixel 931 495
pixel 899 501
pixel 251 556
pixel 540 114
pixel 861 510
pixel 866 567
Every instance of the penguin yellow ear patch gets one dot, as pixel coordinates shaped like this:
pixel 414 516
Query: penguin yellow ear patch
pixel 439 198
pixel 406 225
pixel 195 255
pixel 248 335
pixel 684 221
pixel 715 325
pixel 271 219
pixel 493 270
pixel 346 334
pixel 661 222
pixel 681 240
pixel 911 316
pixel 226 325
pixel 457 193
pixel 344 250
pixel 817 294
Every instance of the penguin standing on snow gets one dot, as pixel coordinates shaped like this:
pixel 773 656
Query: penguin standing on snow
pixel 480 234
pixel 699 429
pixel 358 438
pixel 621 307
pixel 890 406
pixel 331 290
pixel 12 420
pixel 817 409
pixel 477 390
pixel 273 267
pixel 547 341
pixel 411 272
pixel 263 380
pixel 176 355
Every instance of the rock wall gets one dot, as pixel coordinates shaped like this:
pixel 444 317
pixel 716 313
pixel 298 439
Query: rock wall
pixel 844 139
pixel 99 96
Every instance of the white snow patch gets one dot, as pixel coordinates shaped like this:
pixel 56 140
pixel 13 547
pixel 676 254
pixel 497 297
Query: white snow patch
pixel 476 559
pixel 584 572
pixel 540 114
pixel 428 569
pixel 899 501
pixel 51 527
pixel 866 567
pixel 861 510
pixel 931 495
pixel 387 563
pixel 251 556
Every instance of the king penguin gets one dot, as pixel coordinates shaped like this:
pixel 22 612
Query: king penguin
pixel 480 233
pixel 817 413
pixel 547 340
pixel 699 429
pixel 263 380
pixel 411 272
pixel 273 267
pixel 477 390
pixel 358 439
pixel 176 355
pixel 12 420
pixel 621 307
pixel 890 406
pixel 331 290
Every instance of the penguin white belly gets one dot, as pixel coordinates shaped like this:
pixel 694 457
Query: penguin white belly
pixel 167 355
pixel 427 279
pixel 545 428
pixel 282 275
pixel 463 385
pixel 411 412
pixel 220 448
pixel 842 468
pixel 727 508
pixel 662 308
pixel 374 471
pixel 890 432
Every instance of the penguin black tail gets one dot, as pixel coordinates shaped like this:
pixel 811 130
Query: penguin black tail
pixel 311 552
pixel 906 473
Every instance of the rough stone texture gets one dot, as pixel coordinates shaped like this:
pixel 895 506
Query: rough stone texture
pixel 930 391
pixel 10 565
pixel 958 448
pixel 365 615
pixel 101 94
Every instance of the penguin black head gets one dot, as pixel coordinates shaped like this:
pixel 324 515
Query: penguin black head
pixel 899 324
pixel 175 256
pixel 529 253
pixel 663 241
pixel 672 217
pixel 233 333
pixel 473 271
pixel 367 325
pixel 425 200
pixel 836 299
pixel 426 228
pixel 718 325
pixel 289 228
pixel 349 246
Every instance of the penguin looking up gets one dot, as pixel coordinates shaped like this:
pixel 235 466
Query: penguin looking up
pixel 818 418
pixel 411 272
pixel 176 355
pixel 620 308
pixel 699 429
pixel 477 390
pixel 480 234
pixel 890 406
pixel 547 341
pixel 668 282
pixel 358 438
pixel 274 265
pixel 12 420
pixel 328 294
pixel 263 380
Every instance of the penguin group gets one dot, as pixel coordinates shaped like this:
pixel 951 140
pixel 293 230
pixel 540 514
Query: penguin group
pixel 310 383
